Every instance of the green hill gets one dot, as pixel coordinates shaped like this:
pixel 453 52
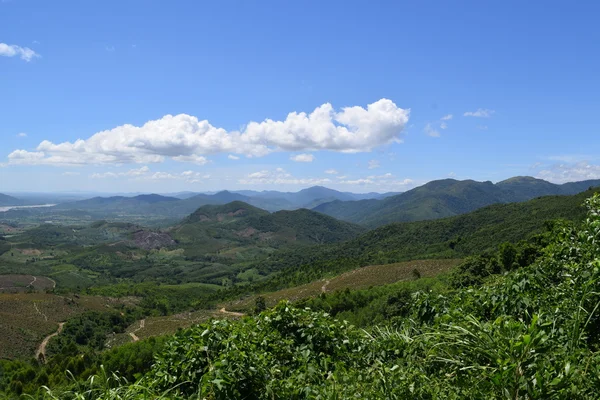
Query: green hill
pixel 453 237
pixel 6 200
pixel 445 198
pixel 217 228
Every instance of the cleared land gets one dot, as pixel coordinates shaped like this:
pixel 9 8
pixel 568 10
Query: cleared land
pixel 361 278
pixel 21 283
pixel 26 318
pixel 158 326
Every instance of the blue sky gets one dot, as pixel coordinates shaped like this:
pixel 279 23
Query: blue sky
pixel 471 90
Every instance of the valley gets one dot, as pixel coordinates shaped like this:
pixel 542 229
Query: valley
pixel 97 289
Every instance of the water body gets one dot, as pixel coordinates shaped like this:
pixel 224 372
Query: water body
pixel 5 209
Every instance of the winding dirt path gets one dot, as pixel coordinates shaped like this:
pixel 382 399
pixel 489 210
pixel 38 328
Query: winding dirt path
pixel 232 313
pixel 134 337
pixel 33 281
pixel 41 351
pixel 324 287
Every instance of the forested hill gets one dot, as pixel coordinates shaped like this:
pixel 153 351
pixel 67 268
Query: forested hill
pixel 445 198
pixel 239 222
pixel 528 331
pixel 6 200
pixel 453 237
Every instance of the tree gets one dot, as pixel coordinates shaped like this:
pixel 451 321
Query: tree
pixel 260 305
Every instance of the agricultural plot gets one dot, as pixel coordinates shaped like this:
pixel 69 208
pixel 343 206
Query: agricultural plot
pixel 22 283
pixel 26 318
pixel 361 278
pixel 158 326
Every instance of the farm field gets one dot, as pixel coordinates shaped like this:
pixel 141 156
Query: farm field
pixel 158 326
pixel 26 318
pixel 361 278
pixel 21 283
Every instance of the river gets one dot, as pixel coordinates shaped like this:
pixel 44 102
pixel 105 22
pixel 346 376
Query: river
pixel 5 209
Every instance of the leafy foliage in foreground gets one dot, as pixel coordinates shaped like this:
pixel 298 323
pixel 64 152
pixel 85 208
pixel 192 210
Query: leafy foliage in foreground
pixel 530 334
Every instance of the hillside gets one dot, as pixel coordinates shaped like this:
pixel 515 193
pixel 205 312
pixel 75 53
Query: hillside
pixel 445 198
pixel 453 237
pixel 218 228
pixel 528 331
pixel 6 200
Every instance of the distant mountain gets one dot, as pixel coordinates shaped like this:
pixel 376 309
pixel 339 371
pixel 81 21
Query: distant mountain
pixel 238 225
pixel 445 198
pixel 306 198
pixel 6 200
pixel 116 203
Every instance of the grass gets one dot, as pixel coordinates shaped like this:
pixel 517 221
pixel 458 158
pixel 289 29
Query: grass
pixel 26 318
pixel 361 278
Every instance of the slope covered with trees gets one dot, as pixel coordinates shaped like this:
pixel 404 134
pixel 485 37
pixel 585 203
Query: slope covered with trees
pixel 531 333
pixel 445 198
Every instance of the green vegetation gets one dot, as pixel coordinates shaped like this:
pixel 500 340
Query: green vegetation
pixel 88 290
pixel 455 237
pixel 529 333
pixel 445 198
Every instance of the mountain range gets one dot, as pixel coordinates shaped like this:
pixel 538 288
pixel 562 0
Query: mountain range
pixel 446 198
pixel 433 200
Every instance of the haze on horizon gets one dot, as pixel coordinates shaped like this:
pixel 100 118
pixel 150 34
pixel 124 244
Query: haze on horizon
pixel 146 97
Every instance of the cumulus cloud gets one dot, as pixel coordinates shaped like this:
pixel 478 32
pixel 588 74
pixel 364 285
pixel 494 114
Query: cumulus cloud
pixel 443 125
pixel 279 176
pixel 232 157
pixel 11 50
pixel 21 134
pixel 144 173
pixel 186 138
pixel 331 171
pixel 373 164
pixel 447 117
pixel 561 173
pixel 481 113
pixel 431 131
pixel 303 158
pixel 195 159
pixel 131 173
pixel 385 182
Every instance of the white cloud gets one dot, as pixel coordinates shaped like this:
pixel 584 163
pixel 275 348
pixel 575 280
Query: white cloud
pixel 144 173
pixel 25 53
pixel 481 113
pixel 131 173
pixel 303 158
pixel 195 159
pixel 69 173
pixel 443 125
pixel 280 177
pixel 21 134
pixel 232 157
pixel 185 138
pixel 431 131
pixel 373 164
pixel 385 182
pixel 562 173
pixel 331 171
pixel 447 117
